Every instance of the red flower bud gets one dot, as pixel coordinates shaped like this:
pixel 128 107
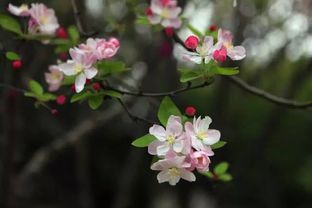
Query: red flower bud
pixel 61 33
pixel 88 81
pixel 73 88
pixel 96 86
pixel 17 64
pixel 169 31
pixel 213 28
pixel 220 55
pixel 190 111
pixel 191 42
pixel 149 11
pixel 63 56
pixel 61 99
pixel 165 2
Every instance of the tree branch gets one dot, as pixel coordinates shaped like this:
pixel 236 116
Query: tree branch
pixel 268 96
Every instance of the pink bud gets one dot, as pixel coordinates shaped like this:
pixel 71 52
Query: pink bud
pixel 61 33
pixel 96 86
pixel 190 111
pixel 114 41
pixel 220 55
pixel 169 31
pixel 17 64
pixel 61 99
pixel 149 11
pixel 191 42
pixel 88 81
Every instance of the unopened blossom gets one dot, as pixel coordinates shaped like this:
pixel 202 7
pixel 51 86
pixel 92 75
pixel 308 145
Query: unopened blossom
pixel 43 20
pixel 220 54
pixel 164 12
pixel 170 139
pixel 172 169
pixel 191 42
pixel 80 66
pixel 22 10
pixel 203 52
pixel 200 160
pixel 54 78
pixel 201 136
pixel 225 41
pixel 107 49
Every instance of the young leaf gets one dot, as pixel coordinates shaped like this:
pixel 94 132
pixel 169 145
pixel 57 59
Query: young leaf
pixel 110 67
pixel 141 20
pixel 112 93
pixel 195 31
pixel 207 174
pixel 143 141
pixel 218 145
pixel 73 34
pixel 166 109
pixel 225 177
pixel 95 101
pixel 12 56
pixel 10 24
pixel 221 168
pixel 35 87
pixel 46 97
pixel 224 70
pixel 69 80
pixel 189 75
pixel 80 96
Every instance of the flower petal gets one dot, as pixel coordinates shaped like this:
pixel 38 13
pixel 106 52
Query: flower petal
pixel 237 53
pixel 90 72
pixel 68 68
pixel 152 147
pixel 213 137
pixel 163 176
pixel 163 149
pixel 159 132
pixel 80 82
pixel 174 126
pixel 187 175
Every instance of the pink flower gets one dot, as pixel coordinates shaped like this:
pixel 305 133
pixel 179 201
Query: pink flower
pixel 54 78
pixel 170 139
pixel 225 40
pixel 107 49
pixel 164 12
pixel 220 55
pixel 172 169
pixel 201 136
pixel 22 10
pixel 191 42
pixel 43 20
pixel 203 51
pixel 80 66
pixel 200 160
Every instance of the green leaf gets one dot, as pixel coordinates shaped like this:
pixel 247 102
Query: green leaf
pixel 224 70
pixel 218 145
pixel 142 20
pixel 195 31
pixel 10 24
pixel 166 109
pixel 225 177
pixel 46 97
pixel 80 96
pixel 189 75
pixel 221 168
pixel 73 34
pixel 112 93
pixel 207 174
pixel 35 87
pixel 69 80
pixel 110 67
pixel 143 141
pixel 12 56
pixel 95 101
pixel 30 94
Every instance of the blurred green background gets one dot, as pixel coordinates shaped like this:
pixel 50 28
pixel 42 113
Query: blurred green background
pixel 269 146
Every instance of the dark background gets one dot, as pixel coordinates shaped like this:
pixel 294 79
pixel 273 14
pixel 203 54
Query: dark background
pixel 83 158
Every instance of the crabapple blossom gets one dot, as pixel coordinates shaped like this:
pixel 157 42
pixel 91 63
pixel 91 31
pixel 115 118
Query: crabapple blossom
pixel 80 66
pixel 201 136
pixel 200 160
pixel 170 139
pixel 203 52
pixel 21 11
pixel 164 12
pixel 43 20
pixel 225 43
pixel 107 49
pixel 172 169
pixel 220 55
pixel 54 78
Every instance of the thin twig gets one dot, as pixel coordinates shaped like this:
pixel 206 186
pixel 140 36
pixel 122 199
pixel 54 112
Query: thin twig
pixel 2 85
pixel 256 91
pixel 77 14
pixel 268 96
pixel 132 116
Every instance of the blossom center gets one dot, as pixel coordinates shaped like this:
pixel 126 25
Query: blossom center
pixel 78 68
pixel 173 172
pixel 43 20
pixel 165 14
pixel 228 45
pixel 170 139
pixel 202 135
pixel 56 76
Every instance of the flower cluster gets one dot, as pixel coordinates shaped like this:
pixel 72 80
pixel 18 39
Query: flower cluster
pixel 81 64
pixel 206 50
pixel 164 12
pixel 42 19
pixel 182 149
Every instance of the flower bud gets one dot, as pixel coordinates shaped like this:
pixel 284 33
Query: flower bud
pixel 54 112
pixel 96 86
pixel 61 99
pixel 191 42
pixel 148 12
pixel 17 64
pixel 190 111
pixel 220 55
pixel 61 33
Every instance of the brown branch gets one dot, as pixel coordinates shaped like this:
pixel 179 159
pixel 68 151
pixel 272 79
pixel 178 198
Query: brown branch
pixel 77 14
pixel 268 96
